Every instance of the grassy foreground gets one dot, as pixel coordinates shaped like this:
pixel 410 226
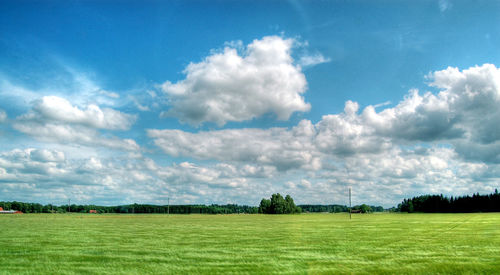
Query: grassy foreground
pixel 298 244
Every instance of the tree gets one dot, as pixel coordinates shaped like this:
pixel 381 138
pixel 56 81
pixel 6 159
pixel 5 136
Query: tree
pixel 265 206
pixel 290 205
pixel 365 208
pixel 278 205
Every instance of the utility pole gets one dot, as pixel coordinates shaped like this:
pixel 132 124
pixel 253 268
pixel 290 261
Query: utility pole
pixel 350 212
pixel 69 207
pixel 168 206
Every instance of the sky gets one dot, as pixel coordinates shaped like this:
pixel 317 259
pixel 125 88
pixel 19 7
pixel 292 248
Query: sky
pixel 202 102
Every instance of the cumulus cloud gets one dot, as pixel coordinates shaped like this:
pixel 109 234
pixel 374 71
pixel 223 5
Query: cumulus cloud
pixel 347 134
pixel 464 113
pixel 430 142
pixel 27 165
pixel 53 108
pixel 278 147
pixel 304 146
pixel 473 95
pixel 463 116
pixel 416 118
pixel 48 176
pixel 46 155
pixel 229 86
pixel 55 119
pixel 53 177
pixel 464 109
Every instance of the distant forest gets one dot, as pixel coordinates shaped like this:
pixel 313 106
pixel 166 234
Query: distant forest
pixel 442 204
pixel 130 208
pixel 425 204
pixel 336 208
pixel 172 209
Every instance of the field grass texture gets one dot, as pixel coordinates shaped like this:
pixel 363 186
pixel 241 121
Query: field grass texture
pixel 250 244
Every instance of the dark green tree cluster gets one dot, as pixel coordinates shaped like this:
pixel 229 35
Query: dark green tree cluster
pixel 131 208
pixel 363 208
pixel 188 209
pixel 278 205
pixel 335 208
pixel 318 208
pixel 443 204
pixel 51 208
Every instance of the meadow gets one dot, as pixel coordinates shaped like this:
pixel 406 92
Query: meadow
pixel 250 244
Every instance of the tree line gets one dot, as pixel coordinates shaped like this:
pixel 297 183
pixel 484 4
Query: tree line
pixel 337 208
pixel 275 205
pixel 130 208
pixel 443 204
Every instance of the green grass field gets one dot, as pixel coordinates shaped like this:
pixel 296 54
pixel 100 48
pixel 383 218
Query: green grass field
pixel 249 244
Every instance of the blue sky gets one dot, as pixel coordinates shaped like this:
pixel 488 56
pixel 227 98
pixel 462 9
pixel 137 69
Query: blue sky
pixel 114 102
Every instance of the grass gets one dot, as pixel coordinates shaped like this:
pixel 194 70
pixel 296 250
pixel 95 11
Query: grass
pixel 250 244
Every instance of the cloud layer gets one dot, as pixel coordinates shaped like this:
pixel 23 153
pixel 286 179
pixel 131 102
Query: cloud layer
pixel 55 119
pixel 55 108
pixel 229 86
pixel 464 114
pixel 444 141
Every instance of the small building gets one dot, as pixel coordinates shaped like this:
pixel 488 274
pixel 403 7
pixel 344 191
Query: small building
pixel 10 212
pixel 93 211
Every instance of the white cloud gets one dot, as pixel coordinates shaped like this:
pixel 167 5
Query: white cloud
pixel 27 165
pixel 47 155
pixel 312 60
pixel 227 86
pixel 418 146
pixel 278 147
pixel 445 142
pixel 302 185
pixel 55 119
pixel 376 179
pixel 53 108
pixel 463 114
pixel 304 146
pixel 416 118
pixel 347 134
pixel 3 116
pixel 53 178
pixel 473 96
pixel 192 174
pixel 76 135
